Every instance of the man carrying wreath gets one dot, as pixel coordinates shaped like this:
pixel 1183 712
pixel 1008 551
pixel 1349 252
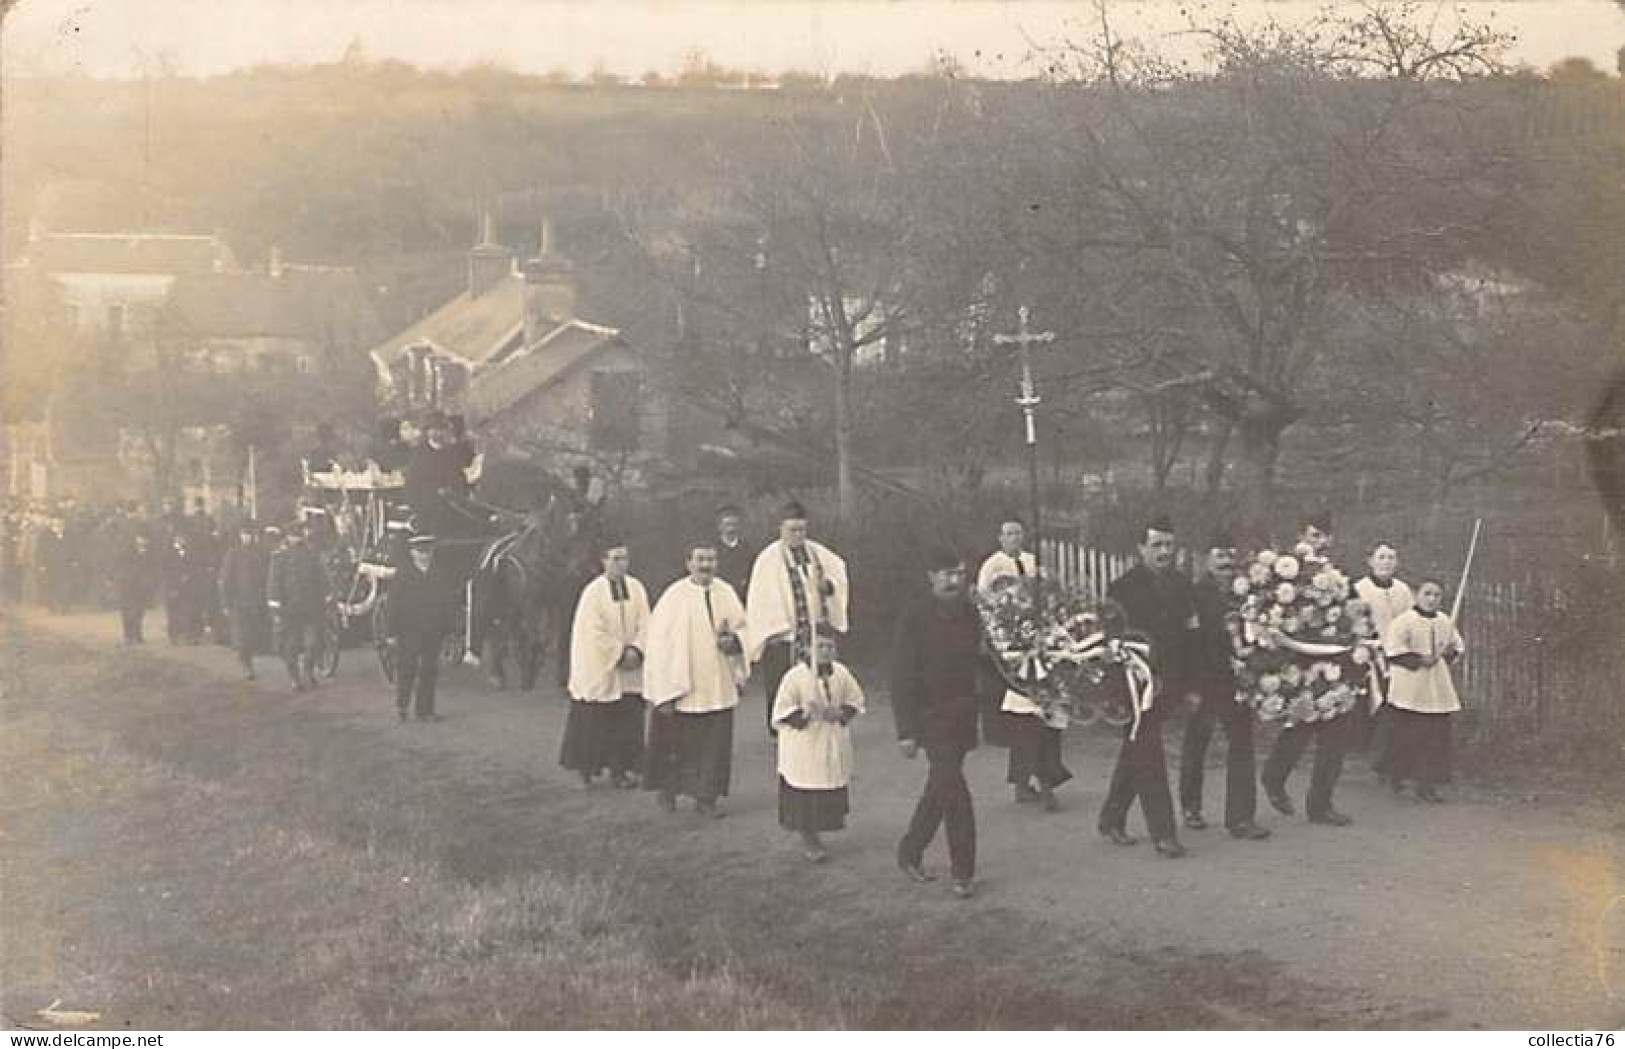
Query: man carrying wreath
pixel 1158 601
pixel 1330 735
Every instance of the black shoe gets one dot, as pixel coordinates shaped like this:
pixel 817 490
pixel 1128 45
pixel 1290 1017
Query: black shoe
pixel 1249 831
pixel 964 888
pixel 1169 848
pixel 709 810
pixel 666 801
pixel 1046 797
pixel 1331 818
pixel 1025 794
pixel 1118 836
pixel 915 870
pixel 1194 820
pixel 1280 801
pixel 1430 794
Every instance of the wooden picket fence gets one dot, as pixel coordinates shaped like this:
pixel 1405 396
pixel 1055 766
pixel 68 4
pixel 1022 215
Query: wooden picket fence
pixel 1082 568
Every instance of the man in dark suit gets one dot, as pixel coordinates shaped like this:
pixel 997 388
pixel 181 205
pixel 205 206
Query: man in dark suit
pixel 936 661
pixel 296 591
pixel 1157 601
pixel 420 613
pixel 135 584
pixel 734 556
pixel 242 579
pixel 1212 680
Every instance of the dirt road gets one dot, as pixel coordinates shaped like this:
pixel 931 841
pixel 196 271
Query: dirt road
pixel 171 831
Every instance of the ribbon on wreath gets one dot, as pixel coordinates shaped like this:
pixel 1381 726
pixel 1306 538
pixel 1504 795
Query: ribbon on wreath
pixel 1135 659
pixel 1275 637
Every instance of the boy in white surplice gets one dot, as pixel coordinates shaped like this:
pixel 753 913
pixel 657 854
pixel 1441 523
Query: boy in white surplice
pixel 813 709
pixel 1421 644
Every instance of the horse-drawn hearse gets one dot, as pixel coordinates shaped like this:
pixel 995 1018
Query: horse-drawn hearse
pixel 508 569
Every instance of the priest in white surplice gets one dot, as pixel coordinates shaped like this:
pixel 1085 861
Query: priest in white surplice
pixel 813 709
pixel 605 726
pixel 695 668
pixel 795 585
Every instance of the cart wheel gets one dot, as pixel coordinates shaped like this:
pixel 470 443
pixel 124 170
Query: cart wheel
pixel 332 639
pixel 380 638
pixel 452 649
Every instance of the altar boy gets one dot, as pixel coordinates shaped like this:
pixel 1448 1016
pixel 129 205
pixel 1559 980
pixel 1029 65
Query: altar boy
pixel 814 706
pixel 1421 644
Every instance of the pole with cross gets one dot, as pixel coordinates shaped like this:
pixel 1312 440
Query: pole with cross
pixel 1028 401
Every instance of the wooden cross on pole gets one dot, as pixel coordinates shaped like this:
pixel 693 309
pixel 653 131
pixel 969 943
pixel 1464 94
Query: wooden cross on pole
pixel 1028 401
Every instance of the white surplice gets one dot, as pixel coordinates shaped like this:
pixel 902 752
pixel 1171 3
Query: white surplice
pixel 771 602
pixel 1387 603
pixel 819 756
pixel 1000 565
pixel 1428 690
pixel 602 629
pixel 682 662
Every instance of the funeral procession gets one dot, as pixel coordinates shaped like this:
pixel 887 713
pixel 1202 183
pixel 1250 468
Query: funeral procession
pixel 1022 519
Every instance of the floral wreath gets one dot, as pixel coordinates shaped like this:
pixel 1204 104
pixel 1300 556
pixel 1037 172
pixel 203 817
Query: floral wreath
pixel 1067 653
pixel 1301 641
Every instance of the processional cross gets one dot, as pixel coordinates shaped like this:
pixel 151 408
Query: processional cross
pixel 1028 400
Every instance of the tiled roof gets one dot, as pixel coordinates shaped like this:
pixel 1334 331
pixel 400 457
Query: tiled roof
pixel 497 389
pixel 473 328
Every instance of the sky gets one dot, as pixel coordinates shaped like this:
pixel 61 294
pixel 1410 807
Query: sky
pixel 631 37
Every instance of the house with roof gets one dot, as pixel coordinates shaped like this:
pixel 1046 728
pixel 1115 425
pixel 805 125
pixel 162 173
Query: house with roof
pixel 533 379
pixel 113 283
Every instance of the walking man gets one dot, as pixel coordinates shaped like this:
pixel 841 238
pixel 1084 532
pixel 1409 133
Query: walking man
pixel 1035 744
pixel 243 576
pixel 135 583
pixel 419 616
pixel 1212 680
pixel 604 730
pixel 695 668
pixel 1157 601
pixel 936 660
pixel 296 592
pixel 1330 737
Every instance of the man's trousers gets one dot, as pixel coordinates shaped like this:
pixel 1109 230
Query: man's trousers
pixel 417 670
pixel 1240 782
pixel 946 799
pixel 1141 772
pixel 1330 739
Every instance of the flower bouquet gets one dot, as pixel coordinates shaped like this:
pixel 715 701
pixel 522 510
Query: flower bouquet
pixel 1067 653
pixel 1303 645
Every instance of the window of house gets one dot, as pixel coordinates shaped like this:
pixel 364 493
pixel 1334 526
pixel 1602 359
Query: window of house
pixel 614 398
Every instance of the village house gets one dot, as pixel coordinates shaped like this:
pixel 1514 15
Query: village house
pixel 532 378
pixel 168 302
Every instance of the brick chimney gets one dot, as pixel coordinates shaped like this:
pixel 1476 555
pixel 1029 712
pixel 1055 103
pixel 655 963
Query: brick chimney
pixel 488 261
pixel 550 289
